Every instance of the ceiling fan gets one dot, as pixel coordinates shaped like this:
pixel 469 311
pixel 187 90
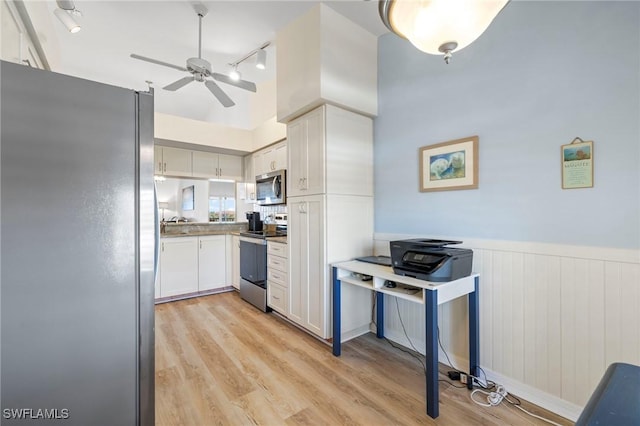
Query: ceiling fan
pixel 200 69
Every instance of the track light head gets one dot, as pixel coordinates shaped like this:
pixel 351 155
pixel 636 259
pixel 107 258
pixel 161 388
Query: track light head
pixel 235 74
pixel 261 59
pixel 67 20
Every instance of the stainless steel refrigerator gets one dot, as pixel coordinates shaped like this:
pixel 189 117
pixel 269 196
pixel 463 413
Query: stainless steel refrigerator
pixel 78 251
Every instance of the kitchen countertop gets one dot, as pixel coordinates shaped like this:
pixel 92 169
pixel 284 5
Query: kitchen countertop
pixel 173 230
pixel 281 240
pixel 195 234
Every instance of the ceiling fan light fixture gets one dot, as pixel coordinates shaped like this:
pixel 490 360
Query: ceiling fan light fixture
pixel 261 59
pixel 67 20
pixel 433 26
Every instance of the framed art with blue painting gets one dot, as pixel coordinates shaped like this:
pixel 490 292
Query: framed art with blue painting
pixel 449 165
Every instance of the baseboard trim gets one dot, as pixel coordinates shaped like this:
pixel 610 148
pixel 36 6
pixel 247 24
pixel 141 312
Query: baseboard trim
pixel 194 294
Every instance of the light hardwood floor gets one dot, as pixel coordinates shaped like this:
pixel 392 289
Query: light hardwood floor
pixel 220 361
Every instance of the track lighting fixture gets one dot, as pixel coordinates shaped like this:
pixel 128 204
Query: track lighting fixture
pixel 439 26
pixel 64 12
pixel 261 60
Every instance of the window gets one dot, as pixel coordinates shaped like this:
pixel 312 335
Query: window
pixel 222 201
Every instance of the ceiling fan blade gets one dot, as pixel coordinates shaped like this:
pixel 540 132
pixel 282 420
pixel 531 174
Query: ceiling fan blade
pixel 219 94
pixel 180 83
pixel 155 61
pixel 243 84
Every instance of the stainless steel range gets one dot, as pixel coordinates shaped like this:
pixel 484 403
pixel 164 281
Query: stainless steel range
pixel 253 270
pixel 253 265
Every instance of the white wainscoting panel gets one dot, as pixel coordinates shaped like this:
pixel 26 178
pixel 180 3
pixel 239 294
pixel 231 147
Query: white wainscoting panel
pixel 552 317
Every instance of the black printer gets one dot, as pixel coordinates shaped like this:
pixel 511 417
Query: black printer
pixel 430 260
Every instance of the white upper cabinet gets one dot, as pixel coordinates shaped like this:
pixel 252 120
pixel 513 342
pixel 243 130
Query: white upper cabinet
pixel 172 161
pixel 280 154
pixel 186 163
pixel 221 166
pixel 330 151
pixel 306 153
pixel 230 167
pixel 324 57
pixel 205 164
pixel 270 159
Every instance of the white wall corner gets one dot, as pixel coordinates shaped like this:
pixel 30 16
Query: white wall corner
pixel 180 129
pixel 268 132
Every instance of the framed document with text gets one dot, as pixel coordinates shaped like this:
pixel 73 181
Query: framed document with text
pixel 577 164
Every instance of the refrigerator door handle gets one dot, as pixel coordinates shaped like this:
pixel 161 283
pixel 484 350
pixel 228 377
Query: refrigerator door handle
pixel 156 220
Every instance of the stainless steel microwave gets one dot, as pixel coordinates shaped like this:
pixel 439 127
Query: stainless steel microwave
pixel 271 188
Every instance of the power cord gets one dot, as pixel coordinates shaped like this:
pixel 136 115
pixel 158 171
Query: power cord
pixel 493 398
pixel 500 394
pixel 495 393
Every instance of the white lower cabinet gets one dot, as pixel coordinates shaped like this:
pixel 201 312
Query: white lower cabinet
pixel 178 266
pixel 191 264
pixel 212 262
pixel 324 229
pixel 235 262
pixel 278 277
pixel 308 295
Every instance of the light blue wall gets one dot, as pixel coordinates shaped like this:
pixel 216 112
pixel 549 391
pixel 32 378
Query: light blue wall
pixel 542 74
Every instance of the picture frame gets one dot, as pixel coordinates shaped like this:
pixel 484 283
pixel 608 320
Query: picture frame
pixel 451 165
pixel 577 164
pixel 188 198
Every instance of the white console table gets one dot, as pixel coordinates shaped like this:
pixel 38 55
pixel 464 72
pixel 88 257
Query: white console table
pixel 430 294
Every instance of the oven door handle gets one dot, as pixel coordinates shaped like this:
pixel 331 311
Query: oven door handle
pixel 252 240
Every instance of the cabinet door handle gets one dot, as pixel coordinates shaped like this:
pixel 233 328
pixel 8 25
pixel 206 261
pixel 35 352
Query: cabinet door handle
pixel 276 297
pixel 276 276
pixel 165 167
pixel 160 166
pixel 200 244
pixel 163 246
pixel 220 174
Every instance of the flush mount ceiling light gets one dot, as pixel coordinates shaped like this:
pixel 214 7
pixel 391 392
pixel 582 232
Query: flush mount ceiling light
pixel 64 13
pixel 439 26
pixel 261 60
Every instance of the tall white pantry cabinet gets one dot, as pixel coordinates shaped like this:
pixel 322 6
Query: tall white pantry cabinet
pixel 330 208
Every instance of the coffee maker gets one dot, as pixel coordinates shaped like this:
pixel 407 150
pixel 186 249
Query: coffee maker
pixel 255 224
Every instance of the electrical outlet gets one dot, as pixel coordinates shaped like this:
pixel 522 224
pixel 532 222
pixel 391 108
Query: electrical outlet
pixel 463 378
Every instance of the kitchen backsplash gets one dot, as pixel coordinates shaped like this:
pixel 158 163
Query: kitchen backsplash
pixel 265 211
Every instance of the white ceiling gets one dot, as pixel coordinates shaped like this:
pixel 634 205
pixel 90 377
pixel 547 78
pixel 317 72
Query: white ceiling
pixel 168 31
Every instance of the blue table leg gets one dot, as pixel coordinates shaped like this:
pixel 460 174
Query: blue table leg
pixel 474 332
pixel 336 314
pixel 379 315
pixel 431 327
